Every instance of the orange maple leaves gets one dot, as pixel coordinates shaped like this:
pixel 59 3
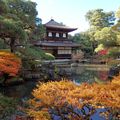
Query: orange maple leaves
pixel 9 63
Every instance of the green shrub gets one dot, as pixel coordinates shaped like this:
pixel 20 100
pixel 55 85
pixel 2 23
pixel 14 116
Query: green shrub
pixel 7 107
pixel 49 56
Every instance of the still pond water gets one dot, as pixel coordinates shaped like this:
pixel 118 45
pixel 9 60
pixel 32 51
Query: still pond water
pixel 78 75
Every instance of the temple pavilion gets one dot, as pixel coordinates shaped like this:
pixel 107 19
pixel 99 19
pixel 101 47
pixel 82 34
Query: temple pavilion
pixel 56 40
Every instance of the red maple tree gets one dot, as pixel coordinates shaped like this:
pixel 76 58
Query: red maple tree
pixel 9 63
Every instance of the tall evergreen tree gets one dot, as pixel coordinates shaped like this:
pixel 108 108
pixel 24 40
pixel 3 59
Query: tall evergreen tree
pixel 17 21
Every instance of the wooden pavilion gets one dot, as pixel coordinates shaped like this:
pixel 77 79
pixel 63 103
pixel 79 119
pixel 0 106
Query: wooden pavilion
pixel 56 40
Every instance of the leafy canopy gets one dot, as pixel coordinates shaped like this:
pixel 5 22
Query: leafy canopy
pixel 106 36
pixel 100 19
pixel 16 21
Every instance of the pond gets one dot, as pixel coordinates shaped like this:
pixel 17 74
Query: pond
pixel 90 74
pixel 78 74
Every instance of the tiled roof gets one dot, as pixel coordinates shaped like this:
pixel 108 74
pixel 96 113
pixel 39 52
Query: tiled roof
pixel 54 24
pixel 55 44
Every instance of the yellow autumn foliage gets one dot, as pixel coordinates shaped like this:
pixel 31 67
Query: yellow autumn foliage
pixel 56 94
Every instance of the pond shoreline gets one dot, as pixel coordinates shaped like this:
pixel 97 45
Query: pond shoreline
pixel 89 66
pixel 84 64
pixel 64 69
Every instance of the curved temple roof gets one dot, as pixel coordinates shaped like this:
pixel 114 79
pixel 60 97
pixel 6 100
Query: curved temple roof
pixel 53 24
pixel 56 44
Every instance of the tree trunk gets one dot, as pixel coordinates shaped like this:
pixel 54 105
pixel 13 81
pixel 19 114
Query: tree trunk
pixel 6 76
pixel 12 44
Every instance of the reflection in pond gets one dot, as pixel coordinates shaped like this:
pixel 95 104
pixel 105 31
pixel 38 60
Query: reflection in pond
pixel 89 75
pixel 19 91
pixel 86 76
pixel 78 75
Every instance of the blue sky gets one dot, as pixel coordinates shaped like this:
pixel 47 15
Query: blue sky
pixel 72 12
